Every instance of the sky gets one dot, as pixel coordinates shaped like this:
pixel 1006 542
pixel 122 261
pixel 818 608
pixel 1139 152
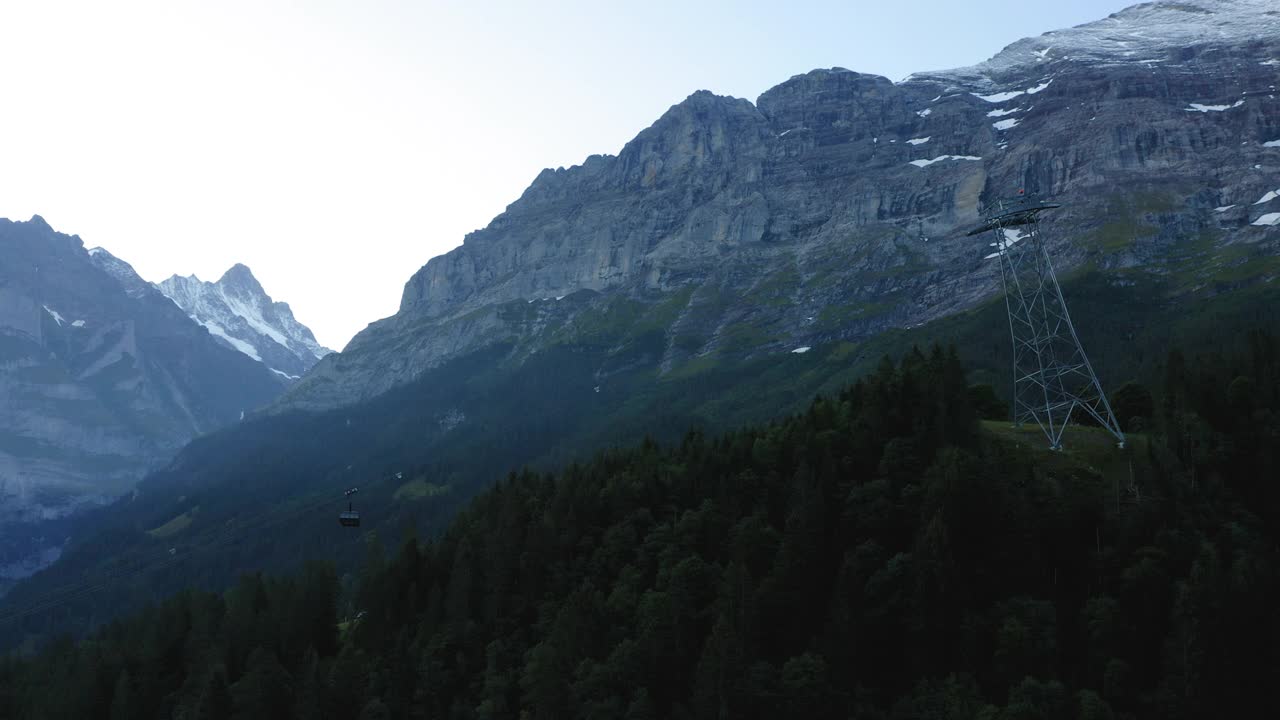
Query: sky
pixel 335 147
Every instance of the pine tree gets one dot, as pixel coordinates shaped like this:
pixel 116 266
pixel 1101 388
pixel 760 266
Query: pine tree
pixel 375 709
pixel 265 690
pixel 641 707
pixel 308 702
pixel 125 703
pixel 215 701
pixel 718 672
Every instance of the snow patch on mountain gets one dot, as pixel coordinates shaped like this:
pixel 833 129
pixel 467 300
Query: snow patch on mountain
pixel 940 158
pixel 56 317
pixel 1271 195
pixel 1011 94
pixel 237 311
pixel 1198 107
pixel 1000 97
pixel 1002 113
pixel 216 330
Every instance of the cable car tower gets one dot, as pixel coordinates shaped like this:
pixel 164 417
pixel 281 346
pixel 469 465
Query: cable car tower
pixel 1052 376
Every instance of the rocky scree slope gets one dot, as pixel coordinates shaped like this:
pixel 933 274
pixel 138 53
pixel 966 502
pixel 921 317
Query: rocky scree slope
pixel 101 378
pixel 834 207
pixel 240 314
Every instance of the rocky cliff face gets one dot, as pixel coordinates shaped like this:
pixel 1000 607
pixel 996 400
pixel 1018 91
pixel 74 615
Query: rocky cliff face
pixel 101 378
pixel 240 314
pixel 834 206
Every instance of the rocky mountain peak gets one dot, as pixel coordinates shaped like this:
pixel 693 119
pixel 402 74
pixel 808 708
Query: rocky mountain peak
pixel 237 311
pixel 239 276
pixel 122 271
pixel 39 223
pixel 700 131
pixel 704 131
pixel 840 81
pixel 820 103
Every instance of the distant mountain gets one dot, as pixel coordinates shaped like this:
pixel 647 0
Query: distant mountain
pixel 102 378
pixel 240 314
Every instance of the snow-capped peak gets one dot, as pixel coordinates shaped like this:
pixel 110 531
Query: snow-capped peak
pixel 1144 33
pixel 122 271
pixel 239 313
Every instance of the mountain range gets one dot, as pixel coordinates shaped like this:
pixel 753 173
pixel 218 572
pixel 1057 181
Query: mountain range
pixel 103 378
pixel 736 258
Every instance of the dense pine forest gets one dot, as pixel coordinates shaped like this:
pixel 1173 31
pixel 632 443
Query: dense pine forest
pixel 885 554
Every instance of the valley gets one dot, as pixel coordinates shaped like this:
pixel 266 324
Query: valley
pixel 713 427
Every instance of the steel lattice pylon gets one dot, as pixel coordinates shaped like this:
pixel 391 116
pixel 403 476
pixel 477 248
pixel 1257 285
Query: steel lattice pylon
pixel 1051 373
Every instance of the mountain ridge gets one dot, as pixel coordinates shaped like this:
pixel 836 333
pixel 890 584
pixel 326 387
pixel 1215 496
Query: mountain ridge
pixel 723 195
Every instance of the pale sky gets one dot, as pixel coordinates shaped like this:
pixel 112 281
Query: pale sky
pixel 334 147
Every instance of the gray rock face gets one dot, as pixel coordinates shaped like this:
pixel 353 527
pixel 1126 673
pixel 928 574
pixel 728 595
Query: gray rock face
pixel 240 314
pixel 101 378
pixel 835 206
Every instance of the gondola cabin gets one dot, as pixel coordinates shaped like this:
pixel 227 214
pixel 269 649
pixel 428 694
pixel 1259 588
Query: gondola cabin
pixel 349 517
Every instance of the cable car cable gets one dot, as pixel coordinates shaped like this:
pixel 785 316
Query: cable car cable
pixel 149 561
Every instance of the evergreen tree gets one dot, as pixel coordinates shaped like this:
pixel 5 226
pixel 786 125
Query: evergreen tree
pixel 1133 405
pixel 215 701
pixel 641 707
pixel 125 703
pixel 265 689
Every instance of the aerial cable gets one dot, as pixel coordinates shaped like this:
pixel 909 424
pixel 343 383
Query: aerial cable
pixel 156 560
pixel 140 565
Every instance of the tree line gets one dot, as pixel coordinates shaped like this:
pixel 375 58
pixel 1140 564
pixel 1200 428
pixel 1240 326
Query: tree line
pixel 881 555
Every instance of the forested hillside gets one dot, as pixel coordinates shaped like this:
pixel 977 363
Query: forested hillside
pixel 884 554
pixel 264 495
